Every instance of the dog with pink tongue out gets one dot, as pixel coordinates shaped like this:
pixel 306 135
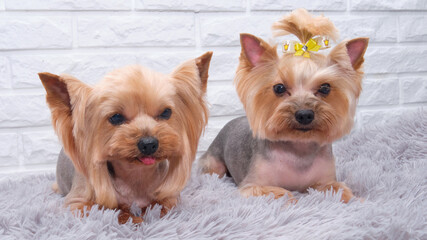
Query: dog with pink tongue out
pixel 131 138
pixel 296 106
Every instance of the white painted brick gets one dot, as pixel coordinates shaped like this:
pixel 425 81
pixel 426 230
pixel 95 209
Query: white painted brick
pixel 223 100
pixel 380 92
pixel 378 29
pixel 9 149
pixel 222 67
pixel 25 68
pixel 165 61
pixel 219 31
pixel 4 73
pixel 68 5
pixel 414 90
pixel 224 64
pixel 92 68
pixel 274 5
pixel 370 5
pixel 395 59
pixel 35 32
pixel 379 117
pixel 194 5
pixel 87 68
pixel 413 28
pixel 161 30
pixel 212 129
pixel 24 110
pixel 41 147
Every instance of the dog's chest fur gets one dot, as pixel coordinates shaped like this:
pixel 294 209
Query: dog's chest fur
pixel 136 183
pixel 293 166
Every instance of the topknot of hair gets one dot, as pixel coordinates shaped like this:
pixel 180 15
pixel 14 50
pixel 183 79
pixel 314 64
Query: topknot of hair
pixel 305 26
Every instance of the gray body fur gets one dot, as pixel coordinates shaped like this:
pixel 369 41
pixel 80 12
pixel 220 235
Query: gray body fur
pixel 65 173
pixel 235 147
pixel 290 165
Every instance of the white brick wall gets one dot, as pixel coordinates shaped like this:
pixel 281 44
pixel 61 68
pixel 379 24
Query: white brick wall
pixel 89 38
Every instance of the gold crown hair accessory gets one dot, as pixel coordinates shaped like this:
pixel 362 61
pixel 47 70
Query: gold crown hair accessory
pixel 313 45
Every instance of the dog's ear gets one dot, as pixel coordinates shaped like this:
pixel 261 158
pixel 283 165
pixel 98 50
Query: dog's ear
pixel 64 95
pixel 202 64
pixel 255 50
pixel 190 80
pixel 356 49
pixel 193 73
pixel 350 53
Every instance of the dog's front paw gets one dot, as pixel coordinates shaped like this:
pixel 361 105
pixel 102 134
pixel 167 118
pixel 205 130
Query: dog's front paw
pixel 347 194
pixel 124 217
pixel 278 192
pixel 167 204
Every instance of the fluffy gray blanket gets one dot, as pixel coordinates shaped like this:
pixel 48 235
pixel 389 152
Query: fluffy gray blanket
pixel 385 165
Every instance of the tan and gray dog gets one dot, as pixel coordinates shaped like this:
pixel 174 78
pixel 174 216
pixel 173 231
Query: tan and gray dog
pixel 296 106
pixel 131 138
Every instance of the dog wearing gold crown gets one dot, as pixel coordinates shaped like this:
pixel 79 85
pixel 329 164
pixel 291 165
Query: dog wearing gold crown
pixel 296 106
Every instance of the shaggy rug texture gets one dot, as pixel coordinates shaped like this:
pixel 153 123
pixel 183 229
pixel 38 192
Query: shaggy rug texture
pixel 386 165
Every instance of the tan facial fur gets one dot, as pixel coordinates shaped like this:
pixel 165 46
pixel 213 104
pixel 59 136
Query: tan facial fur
pixel 272 116
pixel 81 113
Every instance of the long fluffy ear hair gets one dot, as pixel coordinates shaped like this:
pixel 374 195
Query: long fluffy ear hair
pixel 65 96
pixel 305 26
pixel 190 80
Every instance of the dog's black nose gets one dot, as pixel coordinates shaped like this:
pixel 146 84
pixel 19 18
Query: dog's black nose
pixel 148 145
pixel 304 116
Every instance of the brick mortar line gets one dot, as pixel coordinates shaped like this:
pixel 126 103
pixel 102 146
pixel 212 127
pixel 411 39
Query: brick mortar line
pixel 28 129
pixel 27 168
pixel 248 7
pixel 197 31
pixel 348 7
pixel 341 12
pixel 74 32
pixel 149 13
pixel 133 5
pixel 183 49
pixel 396 75
pixel 153 12
pixel 392 107
pixel 21 150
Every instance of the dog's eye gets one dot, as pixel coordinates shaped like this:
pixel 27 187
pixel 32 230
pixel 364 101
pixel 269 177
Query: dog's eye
pixel 166 114
pixel 279 89
pixel 324 89
pixel 117 119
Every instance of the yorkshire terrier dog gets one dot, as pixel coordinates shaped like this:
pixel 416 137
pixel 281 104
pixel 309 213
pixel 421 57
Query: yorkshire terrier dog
pixel 296 106
pixel 131 138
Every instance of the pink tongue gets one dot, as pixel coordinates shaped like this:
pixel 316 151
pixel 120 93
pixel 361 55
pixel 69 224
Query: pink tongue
pixel 147 160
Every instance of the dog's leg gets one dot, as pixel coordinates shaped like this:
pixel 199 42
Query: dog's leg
pixel 78 207
pixel 254 190
pixel 55 188
pixel 167 204
pixel 125 214
pixel 335 186
pixel 78 198
pixel 210 164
